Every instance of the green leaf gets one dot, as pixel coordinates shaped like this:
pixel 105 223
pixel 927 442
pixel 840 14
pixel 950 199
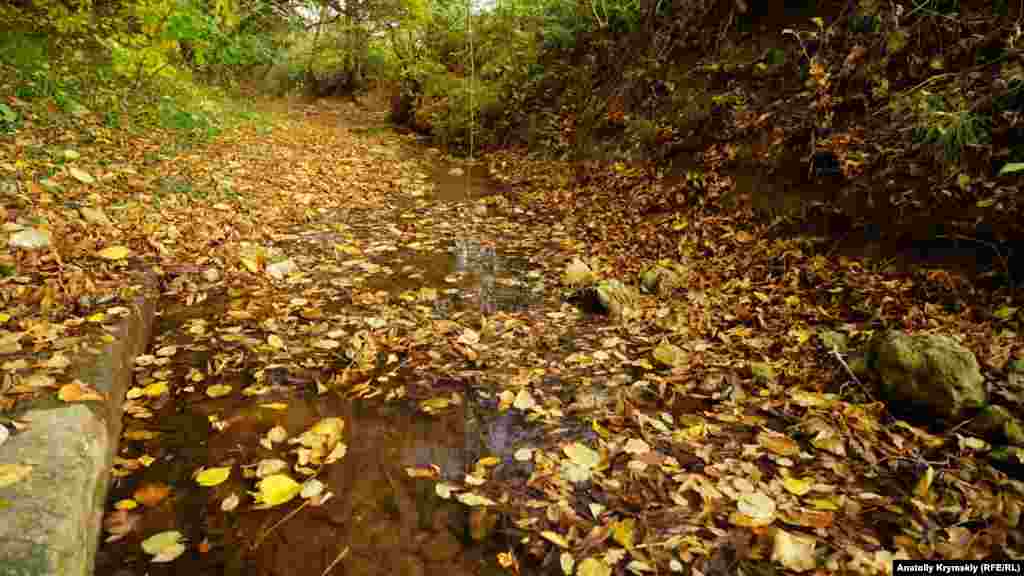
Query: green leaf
pixel 1011 167
pixel 7 113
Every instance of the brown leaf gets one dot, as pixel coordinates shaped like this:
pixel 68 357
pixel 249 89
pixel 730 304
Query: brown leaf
pixel 151 493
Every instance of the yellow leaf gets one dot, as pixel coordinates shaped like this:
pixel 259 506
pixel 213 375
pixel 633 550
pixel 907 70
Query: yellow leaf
pixel 824 504
pixel 114 253
pixel 279 406
pixel 582 455
pixel 151 493
pixel 275 342
pixel 624 532
pixel 155 389
pixel 13 473
pixel 794 551
pixel 593 567
pixel 251 264
pixel 797 486
pixel 275 490
pixel 218 390
pixel 212 476
pixel 555 538
pixel 161 541
pixel 126 504
pixel 670 354
pixel 78 392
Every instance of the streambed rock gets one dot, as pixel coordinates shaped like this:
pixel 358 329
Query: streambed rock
pixel 927 371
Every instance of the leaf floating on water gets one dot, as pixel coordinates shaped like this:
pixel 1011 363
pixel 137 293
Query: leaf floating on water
pixel 270 466
pixel 151 493
pixel 230 503
pixel 212 476
pixel 275 490
pixel 164 546
pixel 78 392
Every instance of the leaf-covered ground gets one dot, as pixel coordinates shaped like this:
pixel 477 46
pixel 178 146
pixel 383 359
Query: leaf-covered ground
pixel 326 268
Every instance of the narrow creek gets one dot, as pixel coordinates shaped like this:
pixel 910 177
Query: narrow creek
pixel 379 519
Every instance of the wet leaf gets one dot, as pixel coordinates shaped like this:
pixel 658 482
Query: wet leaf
pixel 312 488
pixel 230 503
pixel 78 392
pixel 270 466
pixel 275 490
pixel 151 493
pixel 120 523
pixel 165 546
pixel 212 476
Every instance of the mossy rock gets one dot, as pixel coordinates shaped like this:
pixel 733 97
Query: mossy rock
pixel 927 371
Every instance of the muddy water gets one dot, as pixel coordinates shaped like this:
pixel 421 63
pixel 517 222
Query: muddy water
pixel 379 519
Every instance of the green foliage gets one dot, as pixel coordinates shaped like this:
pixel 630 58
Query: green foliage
pixel 951 128
pixel 9 119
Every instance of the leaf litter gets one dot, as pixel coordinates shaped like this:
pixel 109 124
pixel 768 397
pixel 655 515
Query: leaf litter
pixel 701 422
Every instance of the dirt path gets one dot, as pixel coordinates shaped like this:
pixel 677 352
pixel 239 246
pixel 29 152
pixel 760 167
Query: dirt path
pixel 486 419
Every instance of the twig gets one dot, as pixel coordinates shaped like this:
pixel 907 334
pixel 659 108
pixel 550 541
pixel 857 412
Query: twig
pixel 284 518
pixel 340 557
pixel 834 352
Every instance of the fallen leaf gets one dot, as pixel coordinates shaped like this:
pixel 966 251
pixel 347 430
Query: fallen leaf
pixel 794 551
pixel 78 392
pixel 13 473
pixel 114 253
pixel 151 493
pixel 275 490
pixel 212 476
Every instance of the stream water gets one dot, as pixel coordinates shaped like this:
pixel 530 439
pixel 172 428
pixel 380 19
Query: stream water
pixel 379 520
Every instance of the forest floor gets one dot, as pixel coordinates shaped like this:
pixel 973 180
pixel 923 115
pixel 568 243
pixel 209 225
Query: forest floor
pixel 368 361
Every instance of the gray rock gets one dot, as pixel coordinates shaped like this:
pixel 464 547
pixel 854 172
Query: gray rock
pixel 30 239
pixel 927 371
